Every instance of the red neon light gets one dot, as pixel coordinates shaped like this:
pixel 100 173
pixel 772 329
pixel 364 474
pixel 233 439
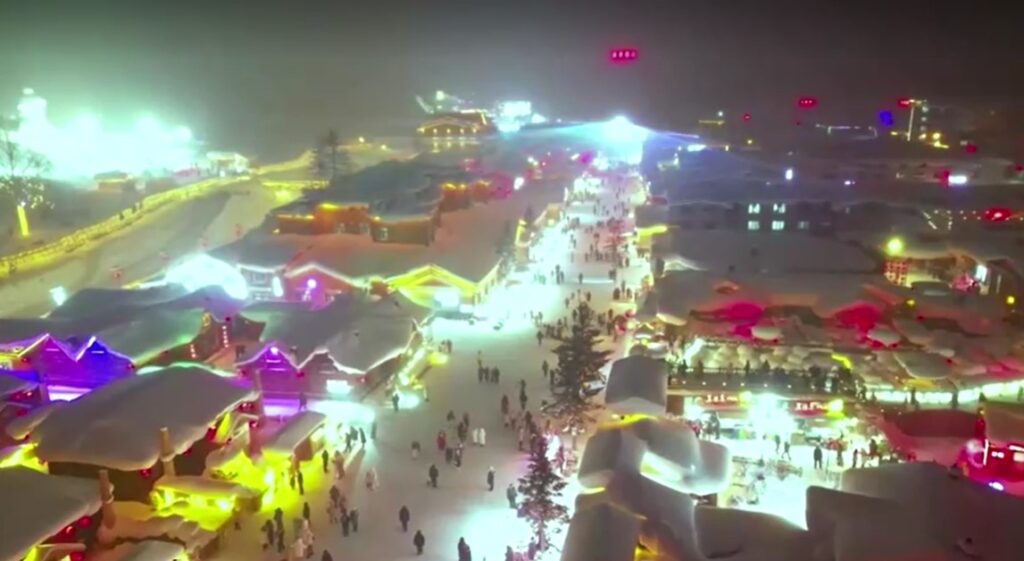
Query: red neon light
pixel 903 103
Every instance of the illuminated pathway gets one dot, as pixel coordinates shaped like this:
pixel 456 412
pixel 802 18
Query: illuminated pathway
pixel 462 506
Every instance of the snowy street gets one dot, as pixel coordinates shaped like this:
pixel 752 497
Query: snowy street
pixel 462 505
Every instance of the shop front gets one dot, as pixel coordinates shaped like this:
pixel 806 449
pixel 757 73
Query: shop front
pixel 747 415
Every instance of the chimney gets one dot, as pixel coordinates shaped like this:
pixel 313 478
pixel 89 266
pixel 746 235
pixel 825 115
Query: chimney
pixel 257 384
pixel 166 452
pixel 107 498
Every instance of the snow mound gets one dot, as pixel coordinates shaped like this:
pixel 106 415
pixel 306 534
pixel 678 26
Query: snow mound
pixel 637 385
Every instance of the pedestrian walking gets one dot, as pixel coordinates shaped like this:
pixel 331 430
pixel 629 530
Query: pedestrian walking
pixel 432 473
pixel 325 459
pixel 504 404
pixel 415 449
pixel 817 457
pixel 483 437
pixel 511 495
pixel 298 479
pixel 441 441
pixel 522 401
pixel 544 367
pixel 490 479
pixel 305 510
pixel 403 518
pixel 345 523
pixel 464 552
pixel 362 437
pixel 419 541
pixel 394 400
pixel 326 556
pixel 353 516
pixel 373 430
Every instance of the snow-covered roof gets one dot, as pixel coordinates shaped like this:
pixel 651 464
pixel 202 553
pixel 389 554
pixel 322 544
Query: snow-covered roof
pixel 293 432
pixel 678 293
pixel 136 316
pixel 637 384
pixel 118 425
pixel 465 243
pixel 357 332
pixel 148 550
pixel 147 335
pixel 10 384
pixel 924 365
pixel 392 189
pixel 758 252
pixel 38 505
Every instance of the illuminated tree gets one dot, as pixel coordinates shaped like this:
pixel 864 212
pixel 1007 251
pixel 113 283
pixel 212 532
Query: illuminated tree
pixel 579 364
pixel 21 173
pixel 540 489
pixel 329 159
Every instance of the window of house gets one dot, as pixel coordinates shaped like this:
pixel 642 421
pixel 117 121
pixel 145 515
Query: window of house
pixel 754 208
pixel 803 225
pixel 753 225
pixel 778 225
pixel 779 208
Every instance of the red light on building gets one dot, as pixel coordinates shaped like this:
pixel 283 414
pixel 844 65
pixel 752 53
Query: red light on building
pixel 970 148
pixel 625 55
pixel 746 117
pixel 903 103
pixel 998 214
pixel 807 102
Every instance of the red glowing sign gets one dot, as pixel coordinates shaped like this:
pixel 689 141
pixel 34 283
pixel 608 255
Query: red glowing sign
pixel 807 102
pixel 746 117
pixel 903 103
pixel 970 148
pixel 998 214
pixel 625 55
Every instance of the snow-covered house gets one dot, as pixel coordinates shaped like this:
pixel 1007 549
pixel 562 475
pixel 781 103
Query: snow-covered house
pixel 346 347
pixel 99 335
pixel 461 255
pixel 143 426
pixel 45 516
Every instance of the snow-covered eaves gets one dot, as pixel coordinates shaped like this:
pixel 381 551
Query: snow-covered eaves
pixel 357 332
pixel 147 550
pixel 293 432
pixel 37 505
pixel 11 384
pixel 118 425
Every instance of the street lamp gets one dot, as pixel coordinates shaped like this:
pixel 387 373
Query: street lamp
pixel 894 246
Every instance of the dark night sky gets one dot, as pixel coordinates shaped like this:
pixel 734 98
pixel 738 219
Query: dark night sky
pixel 270 78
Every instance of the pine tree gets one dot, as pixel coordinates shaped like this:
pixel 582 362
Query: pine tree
pixel 579 363
pixel 540 489
pixel 329 159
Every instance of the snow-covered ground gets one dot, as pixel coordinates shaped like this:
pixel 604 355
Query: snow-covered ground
pixel 462 505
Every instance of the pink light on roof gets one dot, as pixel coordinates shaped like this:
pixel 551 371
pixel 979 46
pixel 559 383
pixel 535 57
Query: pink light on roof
pixel 310 283
pixel 275 351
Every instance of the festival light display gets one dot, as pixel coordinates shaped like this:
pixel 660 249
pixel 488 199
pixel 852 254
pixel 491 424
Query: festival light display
pixel 83 148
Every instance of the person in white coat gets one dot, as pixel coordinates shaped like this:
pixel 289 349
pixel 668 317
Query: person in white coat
pixel 482 437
